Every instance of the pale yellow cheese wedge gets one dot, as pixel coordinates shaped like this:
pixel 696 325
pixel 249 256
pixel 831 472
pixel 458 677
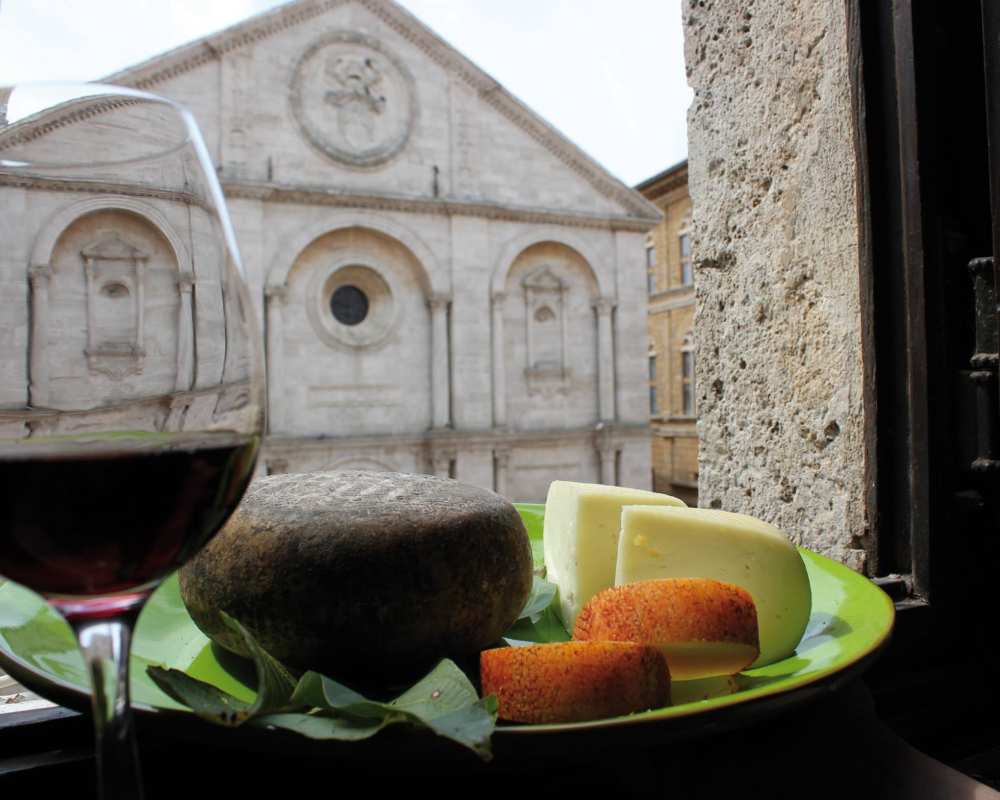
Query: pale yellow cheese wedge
pixel 582 521
pixel 658 542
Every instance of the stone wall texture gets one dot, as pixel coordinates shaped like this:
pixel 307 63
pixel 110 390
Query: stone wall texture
pixel 773 179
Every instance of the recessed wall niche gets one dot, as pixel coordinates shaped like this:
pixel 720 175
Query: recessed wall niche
pixel 113 296
pixel 550 338
pixel 545 333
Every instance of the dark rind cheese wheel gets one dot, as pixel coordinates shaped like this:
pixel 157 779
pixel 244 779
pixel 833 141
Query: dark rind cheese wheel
pixel 363 573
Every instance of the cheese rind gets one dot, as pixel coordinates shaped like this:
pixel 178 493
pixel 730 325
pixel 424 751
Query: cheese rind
pixel 659 542
pixel 582 521
pixel 704 627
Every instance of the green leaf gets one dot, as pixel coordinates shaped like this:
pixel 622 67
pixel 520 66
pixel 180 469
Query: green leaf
pixel 205 700
pixel 542 593
pixel 275 684
pixel 444 701
pixel 323 726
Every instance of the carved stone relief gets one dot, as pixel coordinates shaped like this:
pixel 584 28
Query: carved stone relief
pixel 354 100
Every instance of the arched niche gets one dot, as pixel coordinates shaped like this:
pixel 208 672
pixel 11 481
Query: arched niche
pixel 515 246
pixel 549 338
pixel 114 326
pixel 434 278
pixel 363 372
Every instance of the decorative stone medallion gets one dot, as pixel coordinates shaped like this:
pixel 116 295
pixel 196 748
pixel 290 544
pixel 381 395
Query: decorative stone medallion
pixel 354 100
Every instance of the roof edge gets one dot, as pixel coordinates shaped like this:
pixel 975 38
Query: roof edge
pixel 181 59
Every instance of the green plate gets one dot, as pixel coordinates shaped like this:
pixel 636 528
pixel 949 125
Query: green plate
pixel 851 620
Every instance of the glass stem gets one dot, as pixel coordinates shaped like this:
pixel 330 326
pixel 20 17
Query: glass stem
pixel 105 645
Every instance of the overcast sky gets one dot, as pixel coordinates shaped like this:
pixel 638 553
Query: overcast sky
pixel 609 74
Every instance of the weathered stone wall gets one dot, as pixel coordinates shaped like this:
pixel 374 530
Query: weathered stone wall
pixel 772 179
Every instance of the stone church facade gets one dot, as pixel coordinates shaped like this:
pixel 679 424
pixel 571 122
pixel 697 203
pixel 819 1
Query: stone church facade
pixel 445 284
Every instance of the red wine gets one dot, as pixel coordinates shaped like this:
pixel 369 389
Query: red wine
pixel 115 516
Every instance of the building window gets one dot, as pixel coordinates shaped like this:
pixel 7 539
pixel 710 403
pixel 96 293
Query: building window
pixel 684 241
pixel 349 305
pixel 654 406
pixel 687 376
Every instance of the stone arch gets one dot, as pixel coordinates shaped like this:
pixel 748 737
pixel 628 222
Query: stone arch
pixel 433 278
pixel 145 328
pixel 49 235
pixel 514 247
pixel 398 347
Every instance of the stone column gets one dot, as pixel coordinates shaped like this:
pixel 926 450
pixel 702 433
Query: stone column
pixel 501 459
pixel 139 265
pixel 38 381
pixel 185 334
pixel 606 453
pixel 499 368
pixel 88 276
pixel 275 297
pixel 440 388
pixel 605 358
pixel 441 462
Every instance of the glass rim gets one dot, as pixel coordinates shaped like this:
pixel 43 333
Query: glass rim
pixel 84 91
pixel 191 137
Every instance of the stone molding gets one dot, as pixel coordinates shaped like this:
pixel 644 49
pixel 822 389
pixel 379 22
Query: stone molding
pixel 125 190
pixel 43 123
pixel 517 244
pixel 438 301
pixel 430 274
pixel 211 48
pixel 604 305
pixel 380 285
pixel 276 292
pixel 321 196
pixel 465 439
pixel 45 241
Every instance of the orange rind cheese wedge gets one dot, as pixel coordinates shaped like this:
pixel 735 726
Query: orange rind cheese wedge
pixel 574 681
pixel 702 626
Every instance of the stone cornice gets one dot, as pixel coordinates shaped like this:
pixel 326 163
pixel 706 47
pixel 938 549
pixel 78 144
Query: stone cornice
pixel 175 62
pixel 676 429
pixel 318 195
pixel 31 181
pixel 670 180
pixel 48 120
pixel 671 299
pixel 447 437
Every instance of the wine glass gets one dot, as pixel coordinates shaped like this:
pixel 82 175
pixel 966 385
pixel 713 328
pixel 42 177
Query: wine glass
pixel 131 386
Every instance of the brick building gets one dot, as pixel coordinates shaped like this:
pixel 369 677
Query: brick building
pixel 672 398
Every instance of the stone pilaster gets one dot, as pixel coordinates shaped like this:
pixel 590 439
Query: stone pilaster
pixel 275 298
pixel 39 277
pixel 501 461
pixel 499 369
pixel 185 334
pixel 440 383
pixel 606 358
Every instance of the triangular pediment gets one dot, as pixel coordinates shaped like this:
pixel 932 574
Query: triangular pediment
pixel 110 246
pixel 543 280
pixel 348 66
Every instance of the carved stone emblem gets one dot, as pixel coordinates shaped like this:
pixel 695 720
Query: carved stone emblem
pixel 354 100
